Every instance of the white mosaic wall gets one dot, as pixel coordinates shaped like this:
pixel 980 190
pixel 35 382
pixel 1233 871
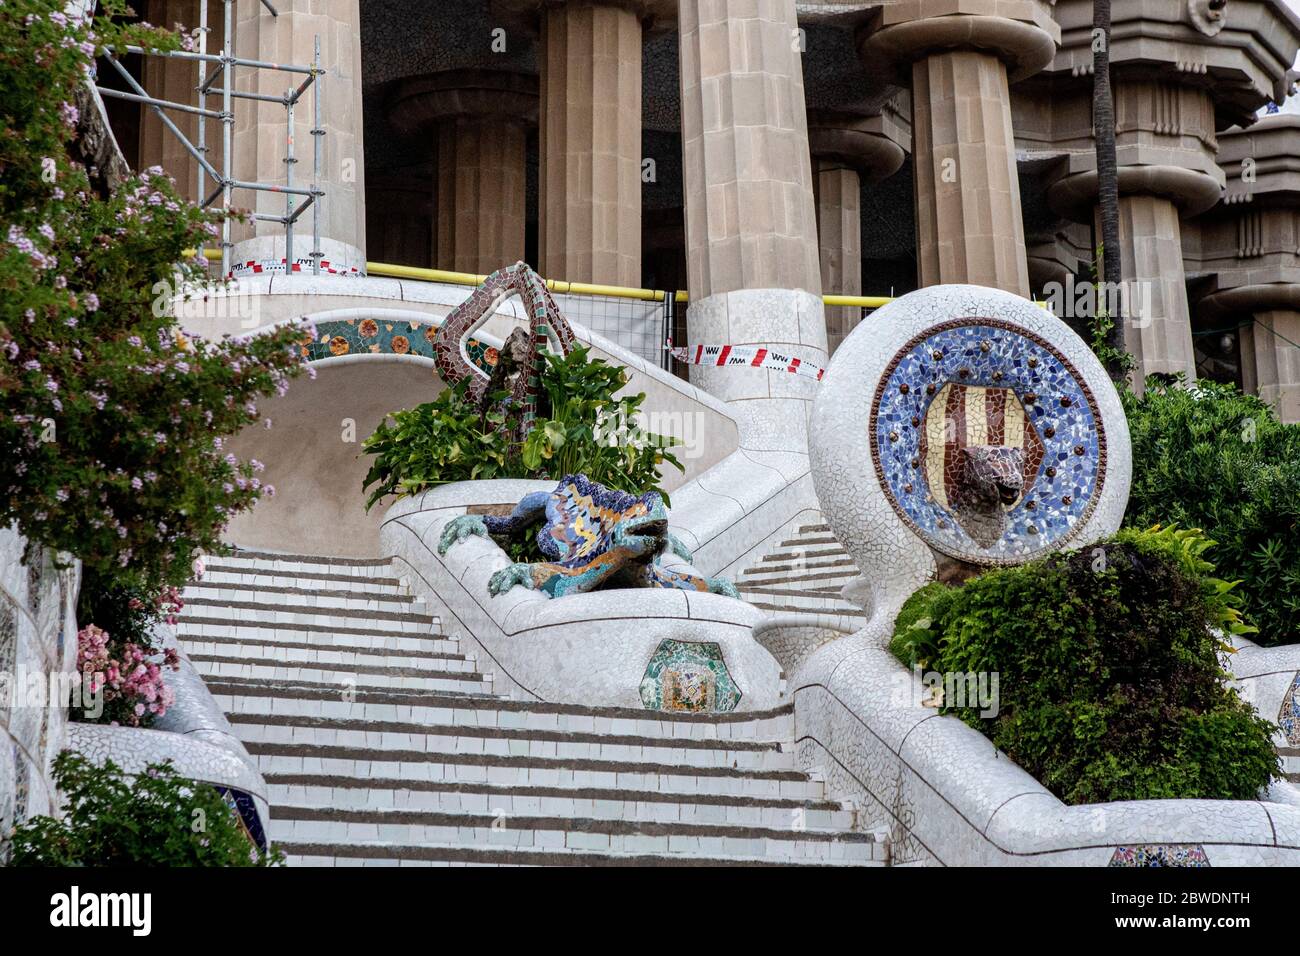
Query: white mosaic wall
pixel 37 639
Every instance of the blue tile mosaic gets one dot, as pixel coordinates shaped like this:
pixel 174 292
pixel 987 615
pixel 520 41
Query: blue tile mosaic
pixel 1160 854
pixel 976 382
pixel 1289 718
pixel 245 809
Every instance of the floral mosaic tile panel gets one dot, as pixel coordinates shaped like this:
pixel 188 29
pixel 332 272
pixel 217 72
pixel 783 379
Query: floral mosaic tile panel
pixel 1289 717
pixel 1161 854
pixel 683 676
pixel 380 336
pixel 982 382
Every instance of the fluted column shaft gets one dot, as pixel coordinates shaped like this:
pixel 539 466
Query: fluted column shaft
pixel 590 143
pixel 839 241
pixel 969 225
pixel 480 194
pixel 751 233
pixel 260 129
pixel 1275 360
pixel 1157 320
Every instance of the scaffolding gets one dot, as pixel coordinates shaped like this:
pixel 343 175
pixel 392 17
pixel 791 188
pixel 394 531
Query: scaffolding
pixel 222 177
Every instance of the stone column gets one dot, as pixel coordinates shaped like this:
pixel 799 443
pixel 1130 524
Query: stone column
pixel 480 195
pixel 969 225
pixel 1157 321
pixel 260 128
pixel 480 120
pixel 753 268
pixel 177 80
pixel 1250 244
pixel 1270 358
pixel 590 142
pixel 1276 345
pixel 839 243
pixel 1165 143
pixel 846 151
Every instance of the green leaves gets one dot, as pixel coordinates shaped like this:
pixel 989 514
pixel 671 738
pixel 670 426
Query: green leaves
pixel 112 417
pixel 1110 682
pixel 155 818
pixel 581 428
pixel 1209 457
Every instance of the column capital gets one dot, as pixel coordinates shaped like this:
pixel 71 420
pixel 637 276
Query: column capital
pixel 418 103
pixel 1264 297
pixel 1074 197
pixel 1022 34
pixel 872 145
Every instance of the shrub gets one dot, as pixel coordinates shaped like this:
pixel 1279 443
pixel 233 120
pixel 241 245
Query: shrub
pixel 111 424
pixel 580 428
pixel 124 680
pixel 1212 458
pixel 1109 677
pixel 156 818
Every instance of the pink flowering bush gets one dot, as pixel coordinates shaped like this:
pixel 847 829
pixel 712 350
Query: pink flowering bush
pixel 112 417
pixel 129 678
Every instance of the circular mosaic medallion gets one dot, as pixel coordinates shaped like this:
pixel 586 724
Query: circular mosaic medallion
pixel 987 441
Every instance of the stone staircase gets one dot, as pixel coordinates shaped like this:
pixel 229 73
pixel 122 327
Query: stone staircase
pixel 382 743
pixel 803 575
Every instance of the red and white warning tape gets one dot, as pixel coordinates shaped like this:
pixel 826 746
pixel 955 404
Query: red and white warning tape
pixel 752 356
pixel 255 267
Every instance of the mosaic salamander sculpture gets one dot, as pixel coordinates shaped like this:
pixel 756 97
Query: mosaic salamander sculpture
pixel 595 537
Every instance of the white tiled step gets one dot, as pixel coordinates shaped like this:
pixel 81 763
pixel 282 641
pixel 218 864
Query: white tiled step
pixel 679 840
pixel 806 555
pixel 319 581
pixel 210 592
pixel 262 698
pixel 291 564
pixel 530 771
pixel 809 577
pixel 306 618
pixel 805 541
pixel 388 854
pixel 818 529
pixel 305 655
pixel 223 632
pixel 378 738
pixel 797 602
pixel 614 804
pixel 332 681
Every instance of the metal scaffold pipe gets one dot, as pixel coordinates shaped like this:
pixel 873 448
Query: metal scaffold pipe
pixel 227 130
pixel 202 124
pixel 222 175
pixel 316 134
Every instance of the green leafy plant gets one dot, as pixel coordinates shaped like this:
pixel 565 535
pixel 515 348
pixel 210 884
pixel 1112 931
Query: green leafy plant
pixel 1110 681
pixel 1210 457
pixel 156 818
pixel 112 417
pixel 581 428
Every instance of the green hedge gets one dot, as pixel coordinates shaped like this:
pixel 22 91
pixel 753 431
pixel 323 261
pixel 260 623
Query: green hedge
pixel 1109 678
pixel 155 818
pixel 1212 458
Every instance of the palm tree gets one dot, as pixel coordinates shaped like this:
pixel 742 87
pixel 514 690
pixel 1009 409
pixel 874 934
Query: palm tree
pixel 1103 122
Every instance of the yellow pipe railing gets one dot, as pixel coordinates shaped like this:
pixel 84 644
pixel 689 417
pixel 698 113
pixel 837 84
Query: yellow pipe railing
pixel 394 271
